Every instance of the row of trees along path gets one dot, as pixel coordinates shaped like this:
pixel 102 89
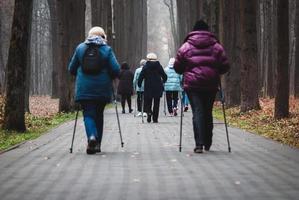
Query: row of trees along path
pixel 262 55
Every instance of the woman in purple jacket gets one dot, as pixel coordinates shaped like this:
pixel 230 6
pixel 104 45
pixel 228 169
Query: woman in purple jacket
pixel 201 59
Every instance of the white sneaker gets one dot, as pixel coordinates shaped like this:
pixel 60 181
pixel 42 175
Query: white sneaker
pixel 139 114
pixel 144 115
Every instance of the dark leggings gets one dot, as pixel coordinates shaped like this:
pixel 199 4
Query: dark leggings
pixel 202 106
pixel 124 98
pixel 172 100
pixel 152 103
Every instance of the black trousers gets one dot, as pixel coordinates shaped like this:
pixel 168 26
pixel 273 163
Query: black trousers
pixel 124 98
pixel 139 101
pixel 172 100
pixel 152 110
pixel 202 106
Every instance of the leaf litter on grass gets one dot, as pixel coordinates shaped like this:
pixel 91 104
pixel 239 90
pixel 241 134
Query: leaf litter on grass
pixel 262 122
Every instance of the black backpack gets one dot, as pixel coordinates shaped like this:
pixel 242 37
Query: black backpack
pixel 91 62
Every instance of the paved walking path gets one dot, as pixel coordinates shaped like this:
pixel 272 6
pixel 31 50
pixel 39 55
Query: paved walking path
pixel 149 166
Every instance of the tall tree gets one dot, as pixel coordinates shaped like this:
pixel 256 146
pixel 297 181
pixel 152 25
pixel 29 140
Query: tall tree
pixel 249 65
pixel 230 37
pixel 6 15
pixel 56 61
pixel 296 78
pixel 71 31
pixel 125 25
pixel 170 5
pixel 282 68
pixel 14 118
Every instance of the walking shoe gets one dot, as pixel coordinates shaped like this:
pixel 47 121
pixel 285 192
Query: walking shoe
pixel 123 112
pixel 175 112
pixel 186 108
pixel 198 149
pixel 144 115
pixel 98 148
pixel 92 142
pixel 171 114
pixel 130 110
pixel 139 114
pixel 207 147
pixel 155 121
pixel 149 118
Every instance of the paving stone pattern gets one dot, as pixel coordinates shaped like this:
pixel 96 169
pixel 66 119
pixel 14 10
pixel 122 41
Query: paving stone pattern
pixel 150 165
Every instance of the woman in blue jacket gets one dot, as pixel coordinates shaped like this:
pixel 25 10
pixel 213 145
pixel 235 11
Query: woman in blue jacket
pixel 94 91
pixel 172 88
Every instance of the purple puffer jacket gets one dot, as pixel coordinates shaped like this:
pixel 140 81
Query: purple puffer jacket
pixel 202 60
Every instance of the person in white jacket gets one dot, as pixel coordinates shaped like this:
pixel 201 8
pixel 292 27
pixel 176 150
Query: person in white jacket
pixel 139 90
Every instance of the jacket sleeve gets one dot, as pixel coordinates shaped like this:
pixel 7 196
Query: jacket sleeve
pixel 223 65
pixel 114 69
pixel 179 64
pixel 135 80
pixel 163 74
pixel 141 77
pixel 74 63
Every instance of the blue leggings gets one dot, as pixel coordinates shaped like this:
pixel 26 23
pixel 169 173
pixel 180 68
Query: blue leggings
pixel 93 114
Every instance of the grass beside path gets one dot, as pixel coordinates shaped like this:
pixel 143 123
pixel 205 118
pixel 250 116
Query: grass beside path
pixel 262 122
pixel 36 126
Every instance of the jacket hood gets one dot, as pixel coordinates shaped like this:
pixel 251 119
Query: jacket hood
pixel 95 40
pixel 153 65
pixel 201 39
pixel 171 62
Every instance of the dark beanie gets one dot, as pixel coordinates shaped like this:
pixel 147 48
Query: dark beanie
pixel 201 25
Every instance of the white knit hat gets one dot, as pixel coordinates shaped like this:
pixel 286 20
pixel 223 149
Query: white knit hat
pixel 142 62
pixel 171 61
pixel 151 56
pixel 97 31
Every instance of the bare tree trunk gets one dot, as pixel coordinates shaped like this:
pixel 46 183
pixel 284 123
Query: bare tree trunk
pixel 129 27
pixel 230 37
pixel 170 5
pixel 54 47
pixel 71 30
pixel 14 116
pixel 249 66
pixel 296 76
pixel 6 15
pixel 282 69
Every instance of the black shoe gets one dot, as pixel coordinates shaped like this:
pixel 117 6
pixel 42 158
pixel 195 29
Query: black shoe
pixel 130 110
pixel 198 149
pixel 186 109
pixel 91 146
pixel 98 148
pixel 155 121
pixel 123 112
pixel 149 118
pixel 207 147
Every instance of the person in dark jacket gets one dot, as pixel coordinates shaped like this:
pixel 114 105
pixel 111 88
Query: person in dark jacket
pixel 202 60
pixel 94 91
pixel 154 77
pixel 125 86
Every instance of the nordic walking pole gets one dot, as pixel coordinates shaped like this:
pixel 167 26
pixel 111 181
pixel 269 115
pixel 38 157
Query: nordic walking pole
pixel 142 106
pixel 181 126
pixel 74 131
pixel 135 105
pixel 115 102
pixel 165 103
pixel 224 116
